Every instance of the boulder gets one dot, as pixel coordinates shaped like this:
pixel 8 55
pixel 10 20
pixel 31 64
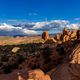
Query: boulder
pixel 38 75
pixel 15 49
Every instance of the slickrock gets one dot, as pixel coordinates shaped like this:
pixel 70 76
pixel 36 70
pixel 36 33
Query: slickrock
pixel 70 68
pixel 38 75
pixel 45 35
pixel 75 55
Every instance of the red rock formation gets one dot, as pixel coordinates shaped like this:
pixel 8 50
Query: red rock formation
pixel 70 68
pixel 57 37
pixel 65 38
pixel 38 75
pixel 60 61
pixel 65 31
pixel 74 34
pixel 69 33
pixel 45 35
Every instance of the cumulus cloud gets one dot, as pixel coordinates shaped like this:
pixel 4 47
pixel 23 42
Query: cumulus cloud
pixel 38 25
pixel 26 31
pixel 73 26
pixel 59 24
pixel 16 30
pixel 50 24
pixel 7 27
pixel 53 26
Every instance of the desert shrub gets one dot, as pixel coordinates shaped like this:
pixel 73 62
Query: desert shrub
pixel 60 50
pixel 7 69
pixel 4 58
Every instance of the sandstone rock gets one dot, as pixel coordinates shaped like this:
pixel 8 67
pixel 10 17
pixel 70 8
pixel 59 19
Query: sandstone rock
pixel 52 40
pixel 57 37
pixel 65 31
pixel 75 56
pixel 69 33
pixel 70 69
pixel 65 38
pixel 74 34
pixel 15 49
pixel 45 35
pixel 38 75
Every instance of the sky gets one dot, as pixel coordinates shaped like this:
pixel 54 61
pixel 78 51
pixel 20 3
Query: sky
pixel 38 15
pixel 39 10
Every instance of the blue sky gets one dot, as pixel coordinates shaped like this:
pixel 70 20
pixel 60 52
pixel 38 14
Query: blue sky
pixel 38 15
pixel 39 10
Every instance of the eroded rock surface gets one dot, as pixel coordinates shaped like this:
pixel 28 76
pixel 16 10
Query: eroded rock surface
pixel 38 75
pixel 45 35
pixel 58 58
pixel 70 69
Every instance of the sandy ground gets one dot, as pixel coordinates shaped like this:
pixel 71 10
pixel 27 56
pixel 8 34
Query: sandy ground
pixel 19 40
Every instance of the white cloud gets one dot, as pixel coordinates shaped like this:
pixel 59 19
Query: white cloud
pixel 60 21
pixel 7 27
pixel 26 31
pixel 53 26
pixel 73 26
pixel 38 25
pixel 18 30
pixel 52 23
pixel 59 24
